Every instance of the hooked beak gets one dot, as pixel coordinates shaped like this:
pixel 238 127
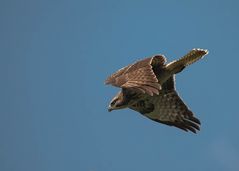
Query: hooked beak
pixel 110 109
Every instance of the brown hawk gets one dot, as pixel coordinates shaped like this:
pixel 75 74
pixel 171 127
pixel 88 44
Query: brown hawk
pixel 148 88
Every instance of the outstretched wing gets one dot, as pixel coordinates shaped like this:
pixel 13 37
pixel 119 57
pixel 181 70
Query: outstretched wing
pixel 168 108
pixel 139 76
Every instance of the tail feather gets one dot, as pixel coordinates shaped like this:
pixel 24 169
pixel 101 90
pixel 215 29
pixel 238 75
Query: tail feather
pixel 188 59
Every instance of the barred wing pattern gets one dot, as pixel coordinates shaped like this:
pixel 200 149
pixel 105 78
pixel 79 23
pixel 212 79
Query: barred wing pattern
pixel 139 76
pixel 168 108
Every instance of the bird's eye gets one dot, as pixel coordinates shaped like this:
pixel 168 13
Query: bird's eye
pixel 113 102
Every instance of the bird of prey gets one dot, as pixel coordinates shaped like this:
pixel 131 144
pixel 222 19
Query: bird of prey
pixel 148 87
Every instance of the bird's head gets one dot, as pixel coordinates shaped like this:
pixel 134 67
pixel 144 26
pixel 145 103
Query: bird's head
pixel 118 102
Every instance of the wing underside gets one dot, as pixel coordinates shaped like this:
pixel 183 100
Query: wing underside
pixel 168 108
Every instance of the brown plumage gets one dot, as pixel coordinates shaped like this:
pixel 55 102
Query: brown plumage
pixel 148 87
pixel 139 76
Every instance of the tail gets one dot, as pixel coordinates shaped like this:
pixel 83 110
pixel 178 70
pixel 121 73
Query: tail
pixel 191 57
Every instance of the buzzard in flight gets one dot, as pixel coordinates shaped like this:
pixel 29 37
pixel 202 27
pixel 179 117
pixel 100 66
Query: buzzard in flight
pixel 148 87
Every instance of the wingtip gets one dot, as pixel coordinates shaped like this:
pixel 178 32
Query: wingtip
pixel 106 82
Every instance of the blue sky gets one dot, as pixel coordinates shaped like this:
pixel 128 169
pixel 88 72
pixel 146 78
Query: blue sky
pixel 55 56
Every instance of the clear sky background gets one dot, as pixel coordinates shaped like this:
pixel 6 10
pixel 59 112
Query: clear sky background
pixel 55 56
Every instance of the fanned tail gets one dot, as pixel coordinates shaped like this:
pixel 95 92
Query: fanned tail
pixel 188 59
